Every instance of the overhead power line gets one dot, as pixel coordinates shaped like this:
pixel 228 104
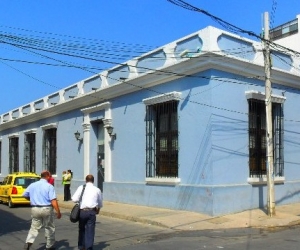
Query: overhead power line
pixel 231 27
pixel 71 49
pixel 77 39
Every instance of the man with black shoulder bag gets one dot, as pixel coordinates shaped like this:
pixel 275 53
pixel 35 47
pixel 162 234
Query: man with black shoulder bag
pixel 90 202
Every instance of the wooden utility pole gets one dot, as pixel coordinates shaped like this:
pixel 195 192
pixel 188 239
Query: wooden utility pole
pixel 269 135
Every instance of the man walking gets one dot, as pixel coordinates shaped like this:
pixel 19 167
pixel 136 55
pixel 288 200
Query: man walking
pixel 90 206
pixel 42 199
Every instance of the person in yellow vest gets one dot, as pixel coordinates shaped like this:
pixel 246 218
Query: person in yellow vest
pixel 63 183
pixel 67 184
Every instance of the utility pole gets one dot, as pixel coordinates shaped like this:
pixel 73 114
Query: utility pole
pixel 269 132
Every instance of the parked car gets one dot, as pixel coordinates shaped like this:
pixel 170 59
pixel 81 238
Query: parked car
pixel 14 185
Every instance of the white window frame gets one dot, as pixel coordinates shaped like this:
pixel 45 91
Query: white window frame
pixel 253 94
pixel 171 96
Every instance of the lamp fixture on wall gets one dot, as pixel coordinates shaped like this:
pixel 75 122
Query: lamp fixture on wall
pixel 77 136
pixel 110 130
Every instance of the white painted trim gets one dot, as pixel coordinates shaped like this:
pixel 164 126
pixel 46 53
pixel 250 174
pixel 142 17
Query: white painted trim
pixel 14 135
pixel 86 138
pixel 253 94
pixel 86 148
pixel 207 59
pixel 107 122
pixel 163 181
pixel 163 98
pixel 48 126
pixel 30 131
pixel 95 108
pixel 263 180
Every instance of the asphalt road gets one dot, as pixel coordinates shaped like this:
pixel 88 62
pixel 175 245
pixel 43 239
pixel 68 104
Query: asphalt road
pixel 121 234
pixel 110 233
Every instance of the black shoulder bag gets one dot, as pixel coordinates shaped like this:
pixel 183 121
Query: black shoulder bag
pixel 75 212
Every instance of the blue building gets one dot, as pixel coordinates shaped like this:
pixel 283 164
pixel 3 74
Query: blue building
pixel 180 127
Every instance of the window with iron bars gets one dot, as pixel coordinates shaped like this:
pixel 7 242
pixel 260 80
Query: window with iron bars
pixel 29 153
pixel 257 138
pixel 13 154
pixel 49 150
pixel 162 140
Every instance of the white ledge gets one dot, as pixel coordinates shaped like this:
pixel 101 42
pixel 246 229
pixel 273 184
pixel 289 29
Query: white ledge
pixel 14 135
pixel 30 131
pixel 253 94
pixel 163 181
pixel 171 96
pixel 49 126
pixel 98 107
pixel 263 180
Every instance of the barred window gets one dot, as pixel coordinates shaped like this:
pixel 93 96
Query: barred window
pixel 29 153
pixel 257 138
pixel 13 154
pixel 162 140
pixel 49 150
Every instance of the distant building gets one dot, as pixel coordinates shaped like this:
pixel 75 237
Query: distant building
pixel 287 34
pixel 188 121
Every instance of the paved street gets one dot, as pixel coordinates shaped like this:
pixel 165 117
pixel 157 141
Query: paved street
pixel 110 233
pixel 231 239
pixel 114 233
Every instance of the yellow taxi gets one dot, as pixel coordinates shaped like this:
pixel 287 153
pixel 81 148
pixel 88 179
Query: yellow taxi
pixel 13 186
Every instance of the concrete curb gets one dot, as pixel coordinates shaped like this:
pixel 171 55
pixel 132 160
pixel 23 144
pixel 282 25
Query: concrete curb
pixel 288 216
pixel 132 218
pixel 119 216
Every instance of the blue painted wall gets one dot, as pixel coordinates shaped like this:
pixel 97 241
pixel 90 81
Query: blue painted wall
pixel 213 156
pixel 213 139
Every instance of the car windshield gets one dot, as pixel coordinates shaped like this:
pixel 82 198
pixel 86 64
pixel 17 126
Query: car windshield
pixel 25 181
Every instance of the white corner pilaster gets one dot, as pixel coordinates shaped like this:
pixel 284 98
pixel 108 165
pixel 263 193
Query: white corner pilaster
pixel 107 140
pixel 86 145
pixel 107 121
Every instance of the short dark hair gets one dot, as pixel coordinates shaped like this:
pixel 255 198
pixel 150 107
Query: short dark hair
pixel 89 178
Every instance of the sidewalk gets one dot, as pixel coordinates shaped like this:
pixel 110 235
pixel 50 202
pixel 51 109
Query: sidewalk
pixel 286 215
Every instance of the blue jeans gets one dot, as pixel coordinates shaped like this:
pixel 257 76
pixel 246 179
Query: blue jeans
pixel 87 222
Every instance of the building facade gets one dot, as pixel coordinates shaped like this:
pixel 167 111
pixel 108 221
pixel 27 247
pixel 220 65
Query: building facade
pixel 180 127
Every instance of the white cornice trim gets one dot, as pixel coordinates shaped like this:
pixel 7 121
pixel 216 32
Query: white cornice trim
pixel 185 67
pixel 14 135
pixel 95 108
pixel 49 126
pixel 253 94
pixel 30 131
pixel 163 98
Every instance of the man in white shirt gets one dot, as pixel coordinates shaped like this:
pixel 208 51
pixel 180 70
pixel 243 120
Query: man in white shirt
pixel 89 207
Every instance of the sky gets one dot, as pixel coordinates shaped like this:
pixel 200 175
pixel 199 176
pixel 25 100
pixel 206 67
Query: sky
pixel 100 34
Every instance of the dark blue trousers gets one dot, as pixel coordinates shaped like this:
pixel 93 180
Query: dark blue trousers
pixel 87 222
